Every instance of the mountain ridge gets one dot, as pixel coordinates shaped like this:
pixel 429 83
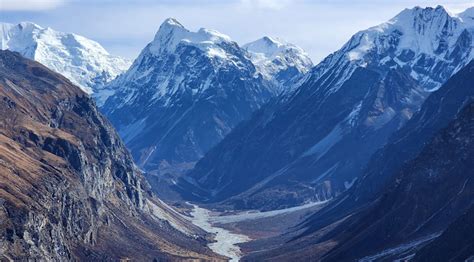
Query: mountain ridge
pixel 279 61
pixel 85 62
pixel 186 91
pixel 69 188
pixel 367 90
pixel 419 199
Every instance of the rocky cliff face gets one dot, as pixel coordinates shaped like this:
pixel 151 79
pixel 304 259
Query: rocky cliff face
pixel 69 189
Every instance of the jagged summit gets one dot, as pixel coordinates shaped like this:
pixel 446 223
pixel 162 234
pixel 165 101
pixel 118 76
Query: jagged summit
pixel 172 22
pixel 419 29
pixel 172 33
pixel 416 29
pixel 183 94
pixel 268 45
pixel 425 12
pixel 25 25
pixel 272 46
pixel 169 29
pixel 421 40
pixel 271 40
pixel 278 60
pixel 422 21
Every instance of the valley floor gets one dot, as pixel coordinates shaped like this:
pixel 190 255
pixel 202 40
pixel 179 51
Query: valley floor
pixel 233 229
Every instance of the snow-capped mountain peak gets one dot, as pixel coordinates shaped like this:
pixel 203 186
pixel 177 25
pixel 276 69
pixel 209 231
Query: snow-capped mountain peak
pixel 417 29
pixel 279 60
pixel 422 28
pixel 85 62
pixel 426 14
pixel 181 48
pixel 168 36
pixel 428 42
pixel 269 46
pixel 183 94
pixel 172 22
pixel 172 33
pixel 355 99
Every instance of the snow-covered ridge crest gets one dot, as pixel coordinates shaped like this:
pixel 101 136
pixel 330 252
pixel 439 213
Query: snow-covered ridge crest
pixel 266 49
pixel 85 62
pixel 171 33
pixel 430 43
pixel 278 60
pixel 417 29
pixel 270 46
pixel 173 45
pixel 184 92
pixel 467 16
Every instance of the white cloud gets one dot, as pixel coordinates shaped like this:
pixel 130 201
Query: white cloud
pixel 29 5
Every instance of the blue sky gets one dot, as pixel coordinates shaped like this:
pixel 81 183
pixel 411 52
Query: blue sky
pixel 124 27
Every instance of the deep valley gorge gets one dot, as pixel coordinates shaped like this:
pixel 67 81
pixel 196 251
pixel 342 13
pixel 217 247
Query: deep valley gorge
pixel 205 147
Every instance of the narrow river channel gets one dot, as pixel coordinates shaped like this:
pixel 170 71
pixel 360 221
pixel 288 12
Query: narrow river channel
pixel 226 241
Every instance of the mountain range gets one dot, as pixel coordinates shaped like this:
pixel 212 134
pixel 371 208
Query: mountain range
pixel 295 148
pixel 366 156
pixel 187 90
pixel 422 202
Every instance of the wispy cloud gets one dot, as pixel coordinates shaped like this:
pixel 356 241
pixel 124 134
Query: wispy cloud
pixel 29 5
